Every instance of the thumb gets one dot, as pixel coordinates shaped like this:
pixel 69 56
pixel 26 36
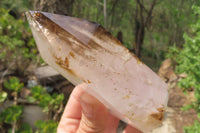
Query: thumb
pixel 94 115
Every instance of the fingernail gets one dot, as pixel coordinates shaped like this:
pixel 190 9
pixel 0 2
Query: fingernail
pixel 86 103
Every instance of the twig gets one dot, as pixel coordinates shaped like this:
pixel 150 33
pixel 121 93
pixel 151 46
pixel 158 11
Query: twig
pixel 14 127
pixel 142 6
pixel 14 124
pixel 55 117
pixel 15 98
pixel 148 18
pixel 24 101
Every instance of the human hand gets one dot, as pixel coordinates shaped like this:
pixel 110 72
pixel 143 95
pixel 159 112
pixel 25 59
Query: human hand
pixel 85 114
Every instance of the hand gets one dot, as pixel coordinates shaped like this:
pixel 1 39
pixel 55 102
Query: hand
pixel 85 114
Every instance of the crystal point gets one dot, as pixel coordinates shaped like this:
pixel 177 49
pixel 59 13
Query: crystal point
pixel 83 51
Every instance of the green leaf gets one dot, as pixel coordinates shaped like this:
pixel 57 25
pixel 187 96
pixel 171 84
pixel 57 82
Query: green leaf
pixel 46 126
pixel 3 96
pixel 186 107
pixel 14 84
pixel 188 61
pixel 25 128
pixel 45 100
pixel 36 91
pixel 11 114
pixel 193 129
pixel 58 98
pixel 31 99
pixel 15 34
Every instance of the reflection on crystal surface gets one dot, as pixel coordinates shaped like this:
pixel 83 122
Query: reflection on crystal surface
pixel 83 51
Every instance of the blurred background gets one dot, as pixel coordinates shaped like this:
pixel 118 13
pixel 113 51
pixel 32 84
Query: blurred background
pixel 164 34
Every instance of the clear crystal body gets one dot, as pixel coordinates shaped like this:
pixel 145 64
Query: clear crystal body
pixel 83 51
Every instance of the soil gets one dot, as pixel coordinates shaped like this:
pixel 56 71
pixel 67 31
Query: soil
pixel 179 118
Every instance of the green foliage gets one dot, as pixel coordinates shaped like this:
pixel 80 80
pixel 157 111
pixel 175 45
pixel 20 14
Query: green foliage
pixel 49 103
pixel 14 84
pixel 3 96
pixel 16 6
pixel 46 101
pixel 17 46
pixel 25 128
pixel 193 129
pixel 46 126
pixel 188 61
pixel 11 114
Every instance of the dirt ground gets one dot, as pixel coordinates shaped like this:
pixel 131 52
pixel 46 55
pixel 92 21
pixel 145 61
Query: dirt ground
pixel 181 118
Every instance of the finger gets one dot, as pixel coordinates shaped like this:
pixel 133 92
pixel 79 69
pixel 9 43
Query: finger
pixel 112 124
pixel 72 114
pixel 94 115
pixel 130 129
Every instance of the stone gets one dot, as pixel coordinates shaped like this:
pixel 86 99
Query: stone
pixel 164 69
pixel 84 52
pixel 31 114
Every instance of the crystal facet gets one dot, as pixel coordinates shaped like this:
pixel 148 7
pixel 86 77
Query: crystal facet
pixel 83 51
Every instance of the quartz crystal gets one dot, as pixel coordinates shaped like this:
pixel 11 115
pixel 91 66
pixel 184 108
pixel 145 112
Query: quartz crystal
pixel 83 51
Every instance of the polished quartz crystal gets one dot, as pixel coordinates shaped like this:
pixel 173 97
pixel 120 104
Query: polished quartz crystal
pixel 83 51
